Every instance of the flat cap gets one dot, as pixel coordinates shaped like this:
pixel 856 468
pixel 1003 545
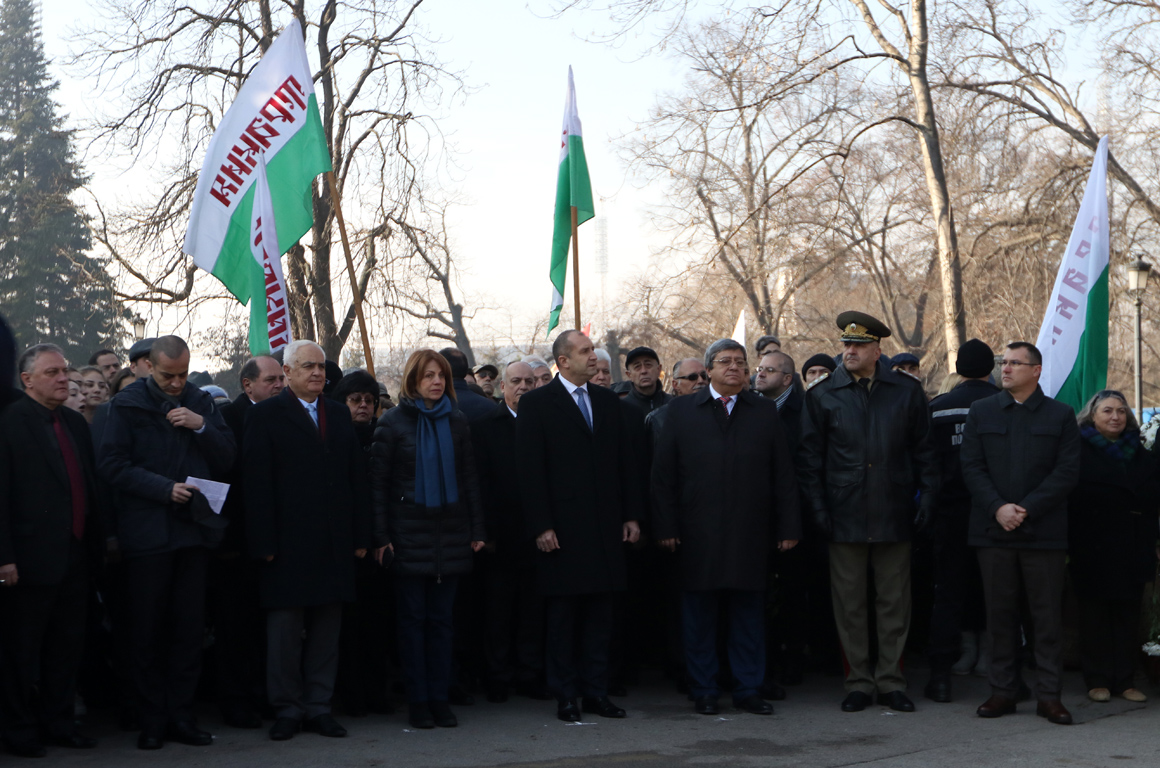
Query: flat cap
pixel 140 349
pixel 640 352
pixel 860 328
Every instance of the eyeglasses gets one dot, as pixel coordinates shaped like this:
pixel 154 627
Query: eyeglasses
pixel 1013 363
pixel 730 362
pixel 763 369
pixel 364 399
pixel 694 376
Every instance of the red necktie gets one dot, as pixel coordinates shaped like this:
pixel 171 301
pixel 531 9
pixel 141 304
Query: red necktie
pixel 76 479
pixel 725 400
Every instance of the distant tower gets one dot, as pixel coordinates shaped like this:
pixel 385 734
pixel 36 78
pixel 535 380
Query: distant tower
pixel 602 255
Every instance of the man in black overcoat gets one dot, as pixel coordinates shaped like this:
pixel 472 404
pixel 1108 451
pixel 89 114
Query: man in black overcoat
pixel 48 511
pixel 238 619
pixel 582 501
pixel 160 431
pixel 307 519
pixel 513 609
pixel 725 495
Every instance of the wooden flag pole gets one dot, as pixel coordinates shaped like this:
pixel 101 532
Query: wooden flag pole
pixel 358 309
pixel 576 265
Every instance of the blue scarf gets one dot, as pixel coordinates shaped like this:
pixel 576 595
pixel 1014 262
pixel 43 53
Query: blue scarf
pixel 435 483
pixel 1123 449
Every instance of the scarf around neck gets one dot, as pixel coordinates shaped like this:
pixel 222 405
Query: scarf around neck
pixel 1123 449
pixel 435 483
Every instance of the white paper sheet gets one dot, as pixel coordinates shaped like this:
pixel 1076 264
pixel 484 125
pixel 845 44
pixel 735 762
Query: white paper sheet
pixel 214 492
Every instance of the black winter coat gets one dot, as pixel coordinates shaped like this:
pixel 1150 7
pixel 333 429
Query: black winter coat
pixel 1027 454
pixel 142 455
pixel 948 418
pixel 583 484
pixel 1111 524
pixel 864 456
pixel 473 405
pixel 501 474
pixel 725 487
pixel 36 522
pixel 427 542
pixel 306 501
pixel 234 414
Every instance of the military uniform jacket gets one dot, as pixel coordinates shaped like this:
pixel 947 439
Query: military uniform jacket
pixel 866 454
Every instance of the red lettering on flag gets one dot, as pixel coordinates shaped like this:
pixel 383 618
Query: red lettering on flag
pixel 1075 280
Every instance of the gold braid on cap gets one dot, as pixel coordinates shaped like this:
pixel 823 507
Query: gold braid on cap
pixel 858 334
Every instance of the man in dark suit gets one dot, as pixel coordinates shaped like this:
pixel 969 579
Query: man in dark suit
pixel 160 432
pixel 307 519
pixel 48 509
pixel 582 501
pixel 724 491
pixel 238 620
pixel 1020 459
pixel 513 612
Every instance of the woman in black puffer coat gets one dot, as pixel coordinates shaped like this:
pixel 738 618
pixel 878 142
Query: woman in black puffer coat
pixel 429 516
pixel 1112 543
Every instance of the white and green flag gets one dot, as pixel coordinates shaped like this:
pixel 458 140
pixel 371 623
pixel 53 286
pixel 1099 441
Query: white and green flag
pixel 274 120
pixel 573 189
pixel 1074 334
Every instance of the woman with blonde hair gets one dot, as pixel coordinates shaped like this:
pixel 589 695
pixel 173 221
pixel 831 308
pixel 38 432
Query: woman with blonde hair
pixel 429 517
pixel 1112 535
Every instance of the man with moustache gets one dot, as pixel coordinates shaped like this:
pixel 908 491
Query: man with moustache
pixel 514 612
pixel 48 513
pixel 582 501
pixel 161 432
pixel 239 626
pixel 866 453
pixel 307 520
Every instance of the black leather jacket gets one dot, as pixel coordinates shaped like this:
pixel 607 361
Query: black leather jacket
pixel 864 456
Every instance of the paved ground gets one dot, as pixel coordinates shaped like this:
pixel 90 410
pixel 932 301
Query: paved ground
pixel 807 729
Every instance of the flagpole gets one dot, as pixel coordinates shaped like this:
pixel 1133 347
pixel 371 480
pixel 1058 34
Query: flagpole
pixel 576 265
pixel 358 309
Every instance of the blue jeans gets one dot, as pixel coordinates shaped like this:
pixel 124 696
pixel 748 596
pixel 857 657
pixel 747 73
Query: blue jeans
pixel 746 639
pixel 424 609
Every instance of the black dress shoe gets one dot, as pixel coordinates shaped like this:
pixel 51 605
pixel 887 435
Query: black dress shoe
pixel 72 740
pixel 706 705
pixel 939 688
pixel 151 739
pixel 188 733
pixel 754 705
pixel 26 748
pixel 284 729
pixel 601 706
pixel 772 691
pixel 241 718
pixel 419 715
pixel 896 700
pixel 459 697
pixel 568 712
pixel 855 701
pixel 442 714
pixel 324 725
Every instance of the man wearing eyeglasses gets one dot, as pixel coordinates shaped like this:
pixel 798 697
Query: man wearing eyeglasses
pixel 865 454
pixel 724 495
pixel 1020 458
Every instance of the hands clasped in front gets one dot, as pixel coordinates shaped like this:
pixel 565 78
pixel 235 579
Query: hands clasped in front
pixel 1010 516
pixel 547 541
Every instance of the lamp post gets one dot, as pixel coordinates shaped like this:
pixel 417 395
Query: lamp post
pixel 1138 272
pixel 138 328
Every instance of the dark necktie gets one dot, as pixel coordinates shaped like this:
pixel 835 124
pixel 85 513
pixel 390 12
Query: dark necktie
pixel 76 479
pixel 864 383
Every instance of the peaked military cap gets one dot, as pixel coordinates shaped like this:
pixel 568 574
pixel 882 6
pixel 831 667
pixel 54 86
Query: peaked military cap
pixel 860 328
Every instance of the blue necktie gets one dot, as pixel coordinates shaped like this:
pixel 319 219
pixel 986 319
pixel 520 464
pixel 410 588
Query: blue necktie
pixel 582 401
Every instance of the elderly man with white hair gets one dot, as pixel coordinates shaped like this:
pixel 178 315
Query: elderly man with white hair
pixel 541 372
pixel 308 518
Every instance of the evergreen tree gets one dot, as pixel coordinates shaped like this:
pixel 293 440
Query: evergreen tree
pixel 50 289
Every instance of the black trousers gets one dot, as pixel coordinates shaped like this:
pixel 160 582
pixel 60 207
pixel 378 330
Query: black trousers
pixel 513 622
pixel 787 628
pixel 1038 574
pixel 239 624
pixel 167 611
pixel 42 628
pixel 367 641
pixel 1108 641
pixel 579 632
pixel 958 590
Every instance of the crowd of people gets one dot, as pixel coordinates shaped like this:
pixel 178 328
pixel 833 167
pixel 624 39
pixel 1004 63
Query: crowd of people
pixel 733 521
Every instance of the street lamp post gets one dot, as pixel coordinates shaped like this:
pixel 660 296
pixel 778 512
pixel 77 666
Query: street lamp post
pixel 1138 272
pixel 138 327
